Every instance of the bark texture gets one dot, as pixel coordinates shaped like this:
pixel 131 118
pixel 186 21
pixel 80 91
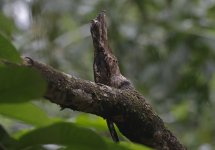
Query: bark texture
pixel 117 100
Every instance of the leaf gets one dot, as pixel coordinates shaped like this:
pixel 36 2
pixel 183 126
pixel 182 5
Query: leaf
pixel 91 121
pixel 8 51
pixel 20 84
pixel 125 146
pixel 134 146
pixel 26 112
pixel 5 140
pixel 73 137
pixel 63 133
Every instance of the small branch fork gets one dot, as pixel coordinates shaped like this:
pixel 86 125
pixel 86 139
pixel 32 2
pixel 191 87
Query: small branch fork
pixel 112 97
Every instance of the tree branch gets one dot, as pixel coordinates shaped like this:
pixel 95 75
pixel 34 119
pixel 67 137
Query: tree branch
pixel 126 107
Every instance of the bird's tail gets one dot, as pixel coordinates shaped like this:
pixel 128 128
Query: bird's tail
pixel 112 130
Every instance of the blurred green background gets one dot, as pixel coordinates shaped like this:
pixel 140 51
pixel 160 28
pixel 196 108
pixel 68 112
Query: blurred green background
pixel 166 48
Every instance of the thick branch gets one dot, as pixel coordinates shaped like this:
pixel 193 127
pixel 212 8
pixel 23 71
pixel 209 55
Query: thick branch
pixel 129 110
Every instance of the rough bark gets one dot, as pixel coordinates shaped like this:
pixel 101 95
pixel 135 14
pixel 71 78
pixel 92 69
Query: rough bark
pixel 126 107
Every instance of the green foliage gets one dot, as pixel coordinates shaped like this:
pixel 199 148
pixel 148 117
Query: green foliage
pixel 8 51
pixel 180 111
pixel 27 113
pixel 72 136
pixel 18 84
pixel 5 140
pixel 62 134
pixel 91 121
